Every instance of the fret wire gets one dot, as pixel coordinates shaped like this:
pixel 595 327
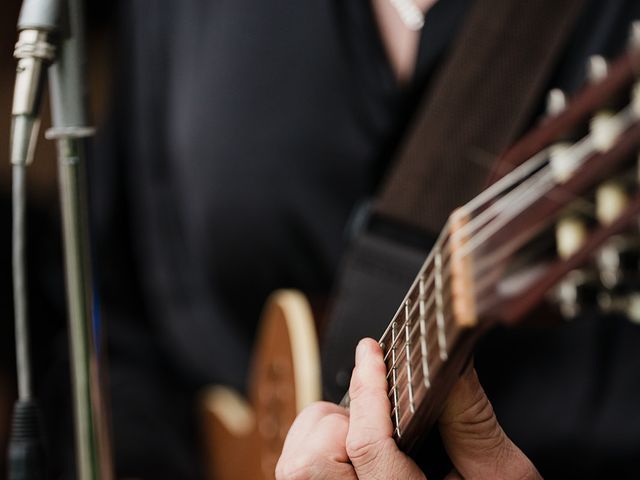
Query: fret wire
pixel 442 340
pixel 440 327
pixel 423 335
pixel 395 379
pixel 409 294
pixel 443 237
pixel 407 329
pixel 420 392
pixel 386 356
pixel 401 357
pixel 416 328
pixel 429 303
pixel 439 274
pixel 420 389
pixel 402 397
pixel 445 275
pixel 398 385
pixel 447 301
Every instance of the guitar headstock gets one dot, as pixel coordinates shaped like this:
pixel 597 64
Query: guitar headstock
pixel 561 219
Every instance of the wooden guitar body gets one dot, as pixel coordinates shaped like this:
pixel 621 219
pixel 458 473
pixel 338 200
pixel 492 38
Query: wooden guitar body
pixel 243 438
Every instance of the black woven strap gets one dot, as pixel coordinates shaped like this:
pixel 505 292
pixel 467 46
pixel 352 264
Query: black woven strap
pixel 482 99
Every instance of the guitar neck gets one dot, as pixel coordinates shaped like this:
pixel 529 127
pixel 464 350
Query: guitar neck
pixel 429 338
pixel 431 335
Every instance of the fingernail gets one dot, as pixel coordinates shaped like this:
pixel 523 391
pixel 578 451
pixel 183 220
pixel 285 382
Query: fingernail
pixel 361 351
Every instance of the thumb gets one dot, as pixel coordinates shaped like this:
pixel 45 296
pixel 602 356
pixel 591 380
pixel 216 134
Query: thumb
pixel 475 442
pixel 370 445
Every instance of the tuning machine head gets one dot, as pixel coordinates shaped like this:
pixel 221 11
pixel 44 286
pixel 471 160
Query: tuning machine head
pixel 576 292
pixel 634 35
pixel 627 305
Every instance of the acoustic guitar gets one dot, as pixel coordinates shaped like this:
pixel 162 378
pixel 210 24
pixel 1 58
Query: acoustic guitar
pixel 558 225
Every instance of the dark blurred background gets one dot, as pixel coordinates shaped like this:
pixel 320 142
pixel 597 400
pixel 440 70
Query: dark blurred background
pixel 46 281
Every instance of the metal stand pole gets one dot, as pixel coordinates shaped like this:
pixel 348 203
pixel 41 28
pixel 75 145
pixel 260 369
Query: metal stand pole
pixel 67 89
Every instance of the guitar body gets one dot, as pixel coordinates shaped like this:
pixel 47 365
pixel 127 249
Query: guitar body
pixel 244 437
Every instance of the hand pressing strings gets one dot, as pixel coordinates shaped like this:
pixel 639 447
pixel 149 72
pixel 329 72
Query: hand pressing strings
pixel 328 442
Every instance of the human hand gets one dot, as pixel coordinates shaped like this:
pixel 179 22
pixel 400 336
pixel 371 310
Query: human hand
pixel 327 441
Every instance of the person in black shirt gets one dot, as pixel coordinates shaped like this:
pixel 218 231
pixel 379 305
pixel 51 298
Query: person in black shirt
pixel 243 135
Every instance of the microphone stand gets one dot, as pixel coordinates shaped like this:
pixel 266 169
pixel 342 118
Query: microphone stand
pixel 40 19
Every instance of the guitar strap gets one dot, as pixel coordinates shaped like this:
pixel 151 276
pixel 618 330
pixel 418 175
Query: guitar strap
pixel 482 98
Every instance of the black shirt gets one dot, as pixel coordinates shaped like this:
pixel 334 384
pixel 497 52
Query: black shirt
pixel 244 133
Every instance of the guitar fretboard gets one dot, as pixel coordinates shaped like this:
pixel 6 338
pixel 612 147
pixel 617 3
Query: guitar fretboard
pixel 417 341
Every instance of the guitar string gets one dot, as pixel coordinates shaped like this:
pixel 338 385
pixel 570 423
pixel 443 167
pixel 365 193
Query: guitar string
pixel 432 342
pixel 431 296
pixel 418 386
pixel 430 301
pixel 414 327
pixel 428 283
pixel 412 290
pixel 518 174
pixel 532 192
pixel 403 373
pixel 485 216
pixel 402 349
pixel 587 147
pixel 400 343
pixel 501 185
pixel 542 183
pixel 414 322
pixel 577 154
pixel 623 119
pixel 417 383
pixel 584 148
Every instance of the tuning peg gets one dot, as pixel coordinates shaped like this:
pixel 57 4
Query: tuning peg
pixel 597 69
pixel 559 160
pixel 611 200
pixel 627 305
pixel 635 99
pixel 604 127
pixel 575 291
pixel 637 177
pixel 571 233
pixel 609 263
pixel 556 102
pixel 634 34
pixel 633 307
